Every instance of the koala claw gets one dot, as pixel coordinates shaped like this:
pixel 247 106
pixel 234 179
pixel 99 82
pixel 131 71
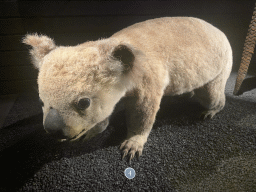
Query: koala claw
pixel 124 153
pixel 131 157
pixel 207 114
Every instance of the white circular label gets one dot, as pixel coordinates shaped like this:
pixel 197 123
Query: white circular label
pixel 129 173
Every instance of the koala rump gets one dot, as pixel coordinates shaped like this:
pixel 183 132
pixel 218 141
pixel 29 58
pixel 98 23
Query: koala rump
pixel 79 86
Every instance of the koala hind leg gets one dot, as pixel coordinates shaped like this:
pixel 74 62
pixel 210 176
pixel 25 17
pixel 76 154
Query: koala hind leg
pixel 212 96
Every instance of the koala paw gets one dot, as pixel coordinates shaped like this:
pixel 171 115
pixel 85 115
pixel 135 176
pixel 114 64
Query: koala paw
pixel 133 146
pixel 208 114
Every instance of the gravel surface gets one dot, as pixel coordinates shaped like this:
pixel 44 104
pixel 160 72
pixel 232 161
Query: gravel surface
pixel 183 153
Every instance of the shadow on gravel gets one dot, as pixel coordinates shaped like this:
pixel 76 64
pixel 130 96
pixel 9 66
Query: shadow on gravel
pixel 247 85
pixel 31 148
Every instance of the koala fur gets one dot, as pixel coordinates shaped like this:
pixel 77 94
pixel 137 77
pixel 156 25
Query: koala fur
pixel 143 62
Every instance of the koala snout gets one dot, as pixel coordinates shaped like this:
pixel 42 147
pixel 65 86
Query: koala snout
pixel 54 124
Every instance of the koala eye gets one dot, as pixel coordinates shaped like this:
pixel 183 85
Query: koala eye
pixel 83 103
pixel 41 102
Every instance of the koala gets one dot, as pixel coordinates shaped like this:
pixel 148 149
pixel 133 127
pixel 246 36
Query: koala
pixel 80 85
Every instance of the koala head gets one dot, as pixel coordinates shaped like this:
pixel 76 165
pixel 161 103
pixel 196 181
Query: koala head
pixel 79 86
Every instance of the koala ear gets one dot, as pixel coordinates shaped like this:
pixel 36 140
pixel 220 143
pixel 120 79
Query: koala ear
pixel 41 46
pixel 125 55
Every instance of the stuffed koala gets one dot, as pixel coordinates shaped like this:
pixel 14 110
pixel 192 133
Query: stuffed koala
pixel 79 86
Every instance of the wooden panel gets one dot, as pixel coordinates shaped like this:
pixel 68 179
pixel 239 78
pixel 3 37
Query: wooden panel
pixel 89 24
pixel 14 58
pixel 33 24
pixel 80 24
pixel 170 8
pixel 91 28
pixel 11 26
pixel 13 87
pixel 79 8
pixel 9 9
pixel 17 73
pixel 114 23
pixel 13 43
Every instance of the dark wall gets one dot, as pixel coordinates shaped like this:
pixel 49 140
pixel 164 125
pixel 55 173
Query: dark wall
pixel 73 22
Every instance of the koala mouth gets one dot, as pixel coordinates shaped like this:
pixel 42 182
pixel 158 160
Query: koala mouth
pixel 88 134
pixel 82 133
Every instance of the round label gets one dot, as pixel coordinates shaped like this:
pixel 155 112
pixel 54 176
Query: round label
pixel 129 173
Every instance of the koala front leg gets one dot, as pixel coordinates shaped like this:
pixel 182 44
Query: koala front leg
pixel 140 117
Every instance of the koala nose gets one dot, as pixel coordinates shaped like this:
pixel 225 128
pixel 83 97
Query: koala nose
pixel 54 124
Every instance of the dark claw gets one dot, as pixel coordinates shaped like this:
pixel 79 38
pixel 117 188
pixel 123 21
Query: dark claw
pixel 203 116
pixel 130 158
pixel 121 146
pixel 124 154
pixel 137 155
